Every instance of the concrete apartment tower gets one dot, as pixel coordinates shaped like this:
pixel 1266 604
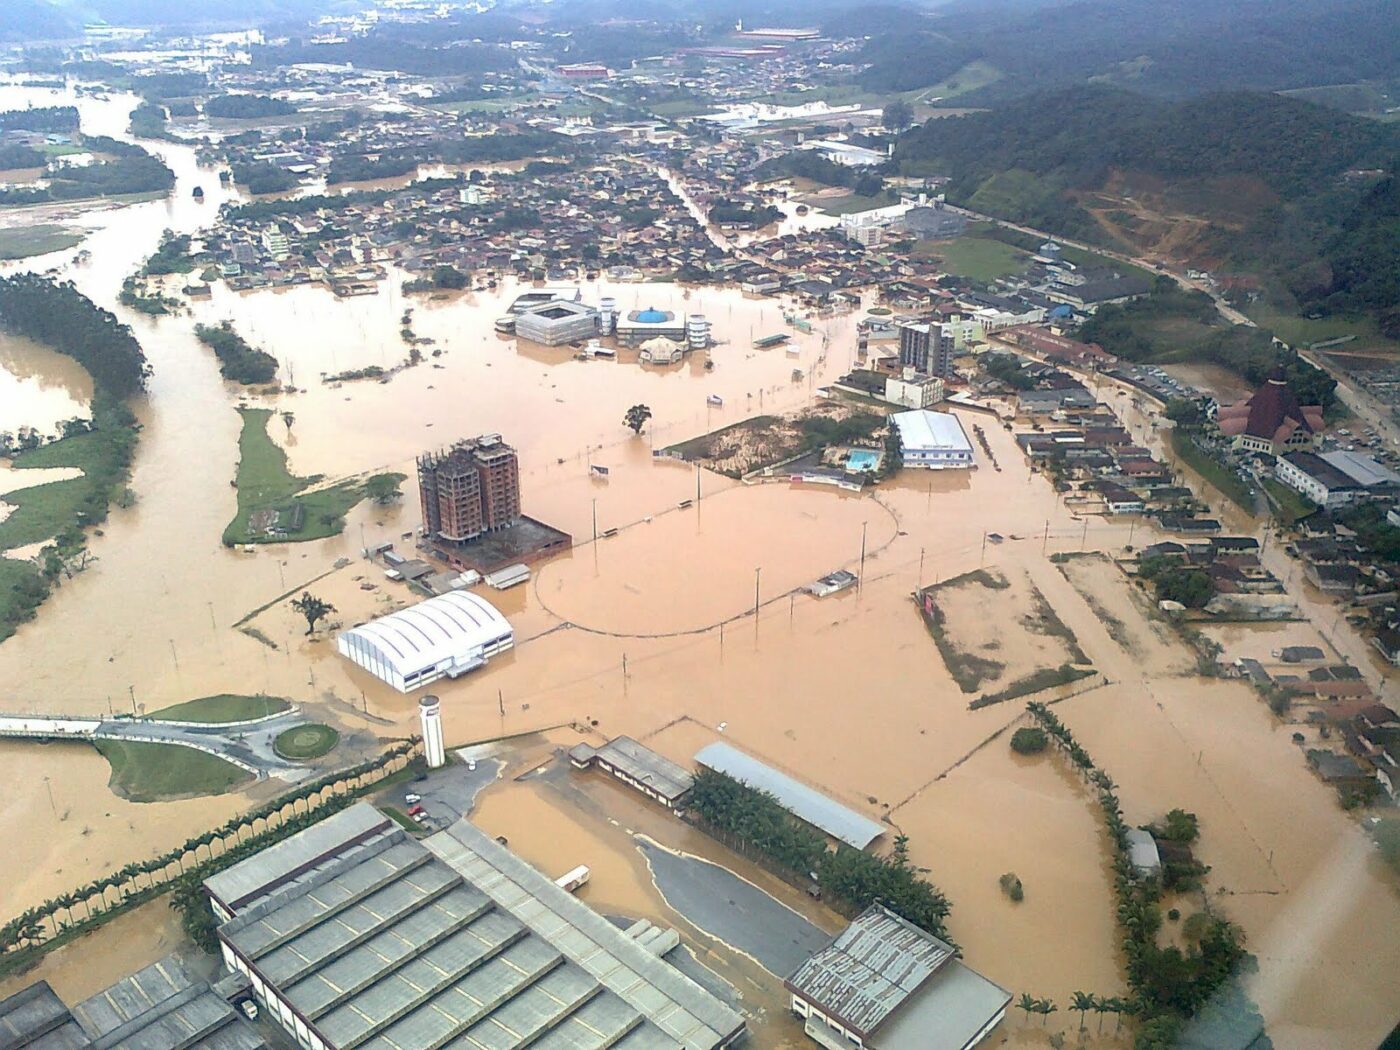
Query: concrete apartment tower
pixel 471 489
pixel 430 716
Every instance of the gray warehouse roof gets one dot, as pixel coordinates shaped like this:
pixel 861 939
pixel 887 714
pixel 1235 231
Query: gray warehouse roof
pixel 898 986
pixel 456 943
pixel 159 1008
pixel 248 880
pixel 816 809
pixel 639 762
pixel 163 1008
pixel 36 1019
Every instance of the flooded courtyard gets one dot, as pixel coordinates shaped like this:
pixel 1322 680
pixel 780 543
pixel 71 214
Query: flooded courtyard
pixel 655 633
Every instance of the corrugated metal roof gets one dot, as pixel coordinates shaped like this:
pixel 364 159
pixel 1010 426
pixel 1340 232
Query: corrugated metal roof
pixel 872 967
pixel 259 874
pixel 456 942
pixel 816 809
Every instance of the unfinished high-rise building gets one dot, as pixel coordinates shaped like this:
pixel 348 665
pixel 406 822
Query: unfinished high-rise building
pixel 471 489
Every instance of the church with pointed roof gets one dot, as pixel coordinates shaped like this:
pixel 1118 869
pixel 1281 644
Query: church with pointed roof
pixel 1271 420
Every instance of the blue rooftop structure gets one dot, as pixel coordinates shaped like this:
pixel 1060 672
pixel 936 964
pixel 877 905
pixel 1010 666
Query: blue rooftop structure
pixel 651 315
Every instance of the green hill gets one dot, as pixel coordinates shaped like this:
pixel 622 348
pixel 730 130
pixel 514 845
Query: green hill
pixel 1304 196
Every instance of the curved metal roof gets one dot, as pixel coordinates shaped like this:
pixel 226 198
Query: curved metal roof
pixel 425 633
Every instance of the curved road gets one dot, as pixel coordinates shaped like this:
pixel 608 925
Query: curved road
pixel 248 745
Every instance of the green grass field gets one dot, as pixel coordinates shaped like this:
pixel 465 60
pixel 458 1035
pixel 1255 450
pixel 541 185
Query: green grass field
pixel 311 740
pixel 1290 504
pixel 1301 331
pixel 265 483
pixel 847 204
pixel 25 241
pixel 158 772
pixel 976 258
pixel 970 77
pixel 42 510
pixel 484 105
pixel 223 707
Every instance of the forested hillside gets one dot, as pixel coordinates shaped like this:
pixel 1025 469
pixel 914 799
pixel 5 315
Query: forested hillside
pixel 1275 185
pixel 1171 48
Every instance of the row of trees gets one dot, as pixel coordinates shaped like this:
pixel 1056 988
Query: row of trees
pixel 36 930
pixel 756 820
pixel 59 316
pixel 245 107
pixel 356 167
pixel 1169 986
pixel 237 359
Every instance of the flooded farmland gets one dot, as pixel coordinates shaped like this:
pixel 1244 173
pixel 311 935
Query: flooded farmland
pixel 652 632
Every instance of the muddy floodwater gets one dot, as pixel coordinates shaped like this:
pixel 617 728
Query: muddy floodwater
pixel 651 631
pixel 39 388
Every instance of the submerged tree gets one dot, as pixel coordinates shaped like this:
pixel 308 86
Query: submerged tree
pixel 312 608
pixel 637 417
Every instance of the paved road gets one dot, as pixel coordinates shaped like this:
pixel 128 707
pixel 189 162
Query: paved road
pixel 736 912
pixel 249 745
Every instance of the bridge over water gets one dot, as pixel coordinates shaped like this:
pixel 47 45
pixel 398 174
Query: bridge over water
pixel 248 745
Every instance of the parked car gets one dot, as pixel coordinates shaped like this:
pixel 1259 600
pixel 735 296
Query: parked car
pixel 416 810
pixel 412 799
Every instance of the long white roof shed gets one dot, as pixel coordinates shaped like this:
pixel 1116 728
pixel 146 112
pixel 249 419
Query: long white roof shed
pixel 823 813
pixel 444 636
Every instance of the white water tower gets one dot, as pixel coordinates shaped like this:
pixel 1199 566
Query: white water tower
pixel 697 332
pixel 607 316
pixel 430 715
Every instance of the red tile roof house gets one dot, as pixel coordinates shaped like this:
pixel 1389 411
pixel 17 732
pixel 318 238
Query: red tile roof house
pixel 1271 420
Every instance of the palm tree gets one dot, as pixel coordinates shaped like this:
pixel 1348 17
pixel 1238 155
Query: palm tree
pixel 1101 1006
pixel 1045 1007
pixel 1081 1004
pixel 1027 1005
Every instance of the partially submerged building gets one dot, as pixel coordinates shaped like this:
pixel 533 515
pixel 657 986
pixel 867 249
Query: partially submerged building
pixel 471 489
pixel 356 935
pixel 885 984
pixel 557 322
pixel 637 766
pixel 807 804
pixel 442 637
pixel 932 440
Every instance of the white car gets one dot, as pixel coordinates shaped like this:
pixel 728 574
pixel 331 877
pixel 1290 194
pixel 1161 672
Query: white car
pixel 413 799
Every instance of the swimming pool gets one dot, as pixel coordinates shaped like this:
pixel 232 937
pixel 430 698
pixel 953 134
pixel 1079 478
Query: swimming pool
pixel 862 459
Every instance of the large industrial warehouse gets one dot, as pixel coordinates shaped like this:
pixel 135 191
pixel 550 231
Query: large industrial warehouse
pixel 356 935
pixel 441 637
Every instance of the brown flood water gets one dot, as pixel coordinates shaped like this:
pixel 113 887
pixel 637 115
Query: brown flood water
pixel 848 693
pixel 39 388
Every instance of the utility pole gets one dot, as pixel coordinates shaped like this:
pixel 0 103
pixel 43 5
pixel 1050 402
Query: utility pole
pixel 982 558
pixel 595 519
pixel 131 690
pixel 757 575
pixel 697 483
pixel 860 582
pixel 921 568
pixel 1046 538
pixel 1084 536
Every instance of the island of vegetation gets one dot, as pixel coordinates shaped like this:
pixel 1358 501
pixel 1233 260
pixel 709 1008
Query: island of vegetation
pixel 61 317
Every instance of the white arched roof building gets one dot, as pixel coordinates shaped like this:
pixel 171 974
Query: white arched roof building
pixel 447 636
